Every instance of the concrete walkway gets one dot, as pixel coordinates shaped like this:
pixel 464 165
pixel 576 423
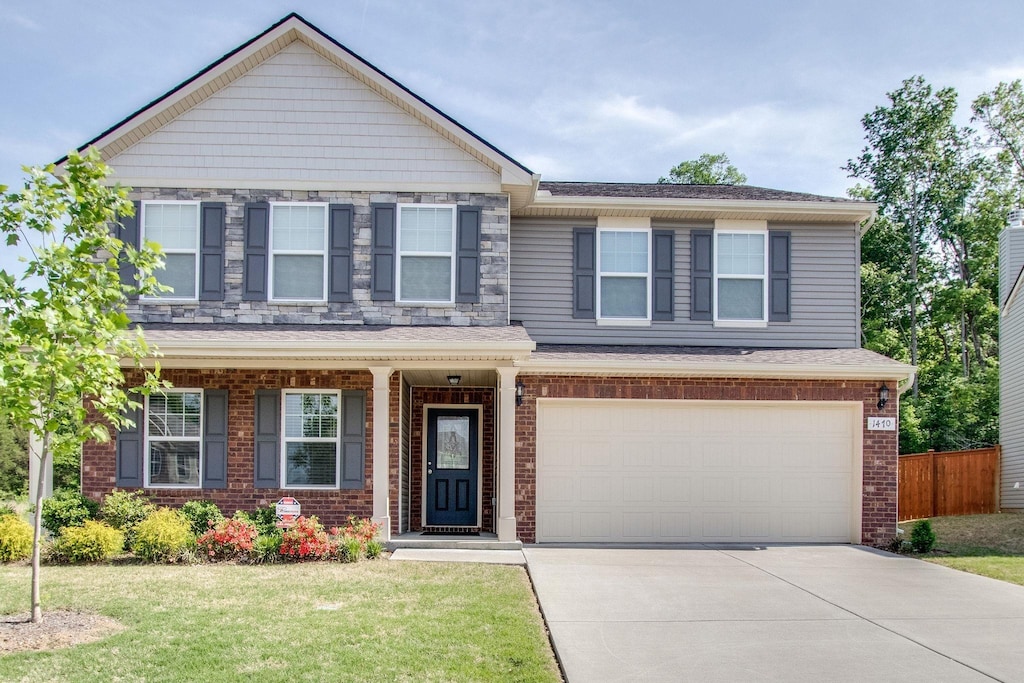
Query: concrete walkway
pixel 457 555
pixel 775 613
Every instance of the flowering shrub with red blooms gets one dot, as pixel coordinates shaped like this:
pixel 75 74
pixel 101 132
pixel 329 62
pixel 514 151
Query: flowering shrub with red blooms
pixel 307 540
pixel 230 539
pixel 362 530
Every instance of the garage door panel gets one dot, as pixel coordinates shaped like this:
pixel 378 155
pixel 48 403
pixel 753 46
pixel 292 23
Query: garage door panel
pixel 695 471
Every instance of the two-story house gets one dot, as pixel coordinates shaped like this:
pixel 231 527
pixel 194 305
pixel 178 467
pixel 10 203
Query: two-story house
pixel 375 311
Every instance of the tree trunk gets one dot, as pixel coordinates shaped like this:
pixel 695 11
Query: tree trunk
pixel 37 529
pixel 912 284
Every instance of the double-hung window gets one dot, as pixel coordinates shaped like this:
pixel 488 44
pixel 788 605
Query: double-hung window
pixel 426 239
pixel 741 262
pixel 624 271
pixel 311 456
pixel 298 245
pixel 175 227
pixel 174 444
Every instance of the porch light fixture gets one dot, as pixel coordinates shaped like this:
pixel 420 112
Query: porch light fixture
pixel 454 380
pixel 520 390
pixel 883 396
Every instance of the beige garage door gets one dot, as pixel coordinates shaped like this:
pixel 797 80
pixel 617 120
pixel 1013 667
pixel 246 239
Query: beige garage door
pixel 697 471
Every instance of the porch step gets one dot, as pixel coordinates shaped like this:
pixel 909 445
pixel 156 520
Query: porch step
pixel 482 542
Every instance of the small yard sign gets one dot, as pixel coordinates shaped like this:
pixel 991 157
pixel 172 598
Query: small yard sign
pixel 882 424
pixel 288 510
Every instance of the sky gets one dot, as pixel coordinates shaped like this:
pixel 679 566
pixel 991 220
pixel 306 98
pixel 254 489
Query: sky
pixel 589 90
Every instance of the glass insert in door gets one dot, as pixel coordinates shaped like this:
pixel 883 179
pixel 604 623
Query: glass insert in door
pixel 452 442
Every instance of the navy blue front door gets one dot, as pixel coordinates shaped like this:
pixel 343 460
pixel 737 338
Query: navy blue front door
pixel 452 461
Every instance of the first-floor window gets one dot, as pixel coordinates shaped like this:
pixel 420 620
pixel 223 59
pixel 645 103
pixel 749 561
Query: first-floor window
pixel 311 439
pixel 174 438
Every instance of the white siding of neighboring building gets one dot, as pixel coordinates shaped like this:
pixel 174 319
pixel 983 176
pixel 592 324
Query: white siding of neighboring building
pixel 296 118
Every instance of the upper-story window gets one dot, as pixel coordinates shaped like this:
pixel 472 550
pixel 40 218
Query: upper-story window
pixel 175 227
pixel 174 444
pixel 624 270
pixel 298 245
pixel 426 237
pixel 741 262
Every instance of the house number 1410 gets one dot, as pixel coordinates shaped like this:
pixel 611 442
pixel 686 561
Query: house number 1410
pixel 882 424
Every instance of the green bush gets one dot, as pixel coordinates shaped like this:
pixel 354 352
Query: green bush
pixel 164 536
pixel 922 538
pixel 202 515
pixel 15 538
pixel 124 510
pixel 7 509
pixel 373 549
pixel 267 549
pixel 67 509
pixel 91 542
pixel 350 550
pixel 264 519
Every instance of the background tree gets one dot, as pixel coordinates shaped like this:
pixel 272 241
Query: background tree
pixel 63 327
pixel 707 169
pixel 13 459
pixel 930 264
pixel 1002 113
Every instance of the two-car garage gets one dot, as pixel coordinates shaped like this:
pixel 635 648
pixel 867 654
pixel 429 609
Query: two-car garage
pixel 673 471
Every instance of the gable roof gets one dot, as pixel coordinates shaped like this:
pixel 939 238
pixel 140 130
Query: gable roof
pixel 516 178
pixel 679 191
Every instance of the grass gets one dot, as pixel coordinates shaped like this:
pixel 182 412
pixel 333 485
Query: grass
pixel 990 545
pixel 371 621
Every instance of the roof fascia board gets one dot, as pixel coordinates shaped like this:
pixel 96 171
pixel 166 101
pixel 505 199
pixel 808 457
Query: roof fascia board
pixel 851 211
pixel 1004 310
pixel 718 369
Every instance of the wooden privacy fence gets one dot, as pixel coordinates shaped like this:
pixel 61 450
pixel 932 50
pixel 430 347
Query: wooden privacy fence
pixel 952 483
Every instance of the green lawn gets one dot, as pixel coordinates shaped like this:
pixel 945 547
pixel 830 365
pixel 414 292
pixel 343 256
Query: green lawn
pixel 372 621
pixel 990 545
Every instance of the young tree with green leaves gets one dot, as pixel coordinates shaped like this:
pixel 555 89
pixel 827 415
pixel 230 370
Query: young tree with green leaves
pixel 707 169
pixel 64 331
pixel 1002 113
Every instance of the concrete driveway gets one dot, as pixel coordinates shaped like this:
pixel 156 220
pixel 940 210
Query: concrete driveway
pixel 774 613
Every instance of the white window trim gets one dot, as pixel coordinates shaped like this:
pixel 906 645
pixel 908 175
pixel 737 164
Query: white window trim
pixel 202 430
pixel 732 322
pixel 399 254
pixel 298 252
pixel 195 252
pixel 319 439
pixel 620 321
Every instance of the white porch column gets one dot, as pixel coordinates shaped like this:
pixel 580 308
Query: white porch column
pixel 507 454
pixel 35 448
pixel 381 454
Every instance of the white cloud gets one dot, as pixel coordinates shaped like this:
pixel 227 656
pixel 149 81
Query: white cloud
pixel 24 22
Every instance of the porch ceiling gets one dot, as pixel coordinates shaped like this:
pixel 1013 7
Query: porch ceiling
pixel 436 377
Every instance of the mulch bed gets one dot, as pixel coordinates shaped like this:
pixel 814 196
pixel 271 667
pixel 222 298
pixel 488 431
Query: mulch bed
pixel 56 630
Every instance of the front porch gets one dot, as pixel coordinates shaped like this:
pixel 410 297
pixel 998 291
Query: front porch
pixel 482 541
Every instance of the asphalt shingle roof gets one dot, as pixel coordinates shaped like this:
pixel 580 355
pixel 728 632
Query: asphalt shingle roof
pixel 680 191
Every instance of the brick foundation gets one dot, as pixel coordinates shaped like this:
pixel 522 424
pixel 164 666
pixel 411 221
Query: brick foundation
pixel 878 517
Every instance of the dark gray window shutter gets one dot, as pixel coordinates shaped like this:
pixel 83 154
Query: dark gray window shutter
pixel 256 231
pixel 353 438
pixel 215 439
pixel 129 460
pixel 211 251
pixel 467 254
pixel 701 274
pixel 382 249
pixel 584 273
pixel 339 253
pixel 268 426
pixel 129 234
pixel 663 243
pixel 778 276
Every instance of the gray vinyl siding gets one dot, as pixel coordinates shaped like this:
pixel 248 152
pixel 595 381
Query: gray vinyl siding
pixel 825 281
pixel 1011 371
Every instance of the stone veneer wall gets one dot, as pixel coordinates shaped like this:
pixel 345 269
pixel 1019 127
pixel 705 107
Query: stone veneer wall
pixel 332 506
pixel 494 244
pixel 455 397
pixel 878 517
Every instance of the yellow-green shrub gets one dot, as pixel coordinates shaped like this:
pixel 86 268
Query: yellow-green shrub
pixel 164 536
pixel 15 538
pixel 91 542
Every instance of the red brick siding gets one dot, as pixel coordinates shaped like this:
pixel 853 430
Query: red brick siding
pixel 878 520
pixel 332 507
pixel 454 396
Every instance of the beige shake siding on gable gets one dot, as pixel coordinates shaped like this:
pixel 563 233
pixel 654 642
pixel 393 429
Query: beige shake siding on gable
pixel 297 117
